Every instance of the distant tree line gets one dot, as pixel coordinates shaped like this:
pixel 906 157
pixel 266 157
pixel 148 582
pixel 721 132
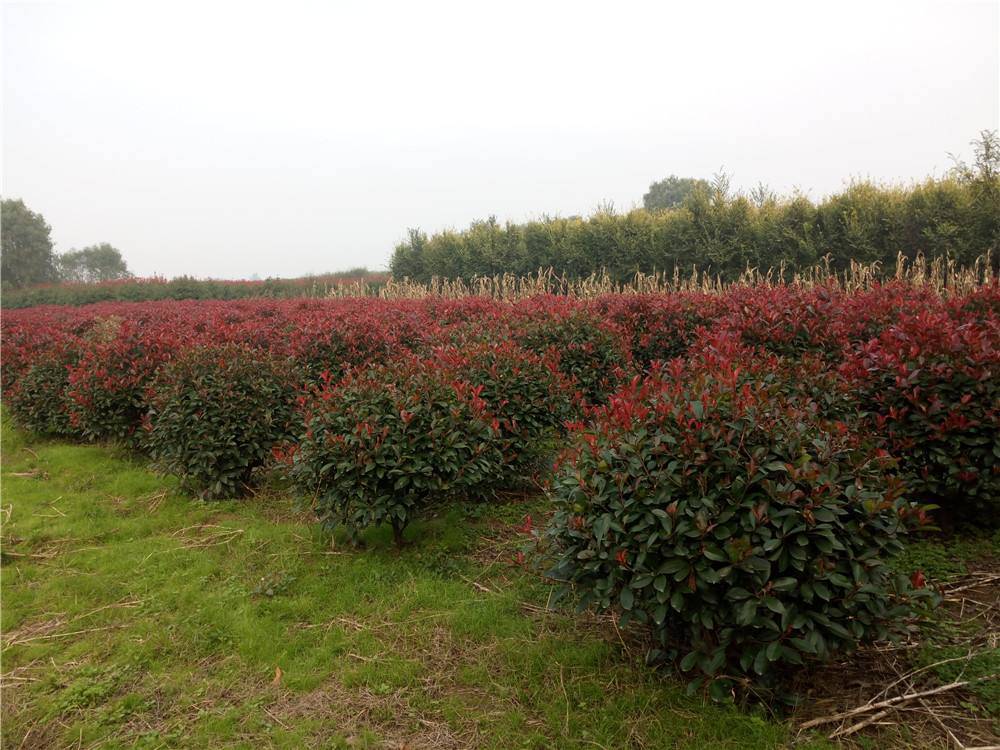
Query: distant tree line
pixel 687 222
pixel 27 256
pixel 33 274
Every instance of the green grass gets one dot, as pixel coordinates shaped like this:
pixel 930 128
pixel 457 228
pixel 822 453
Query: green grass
pixel 950 634
pixel 943 558
pixel 136 616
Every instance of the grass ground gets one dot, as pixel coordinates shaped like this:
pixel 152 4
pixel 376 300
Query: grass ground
pixel 136 616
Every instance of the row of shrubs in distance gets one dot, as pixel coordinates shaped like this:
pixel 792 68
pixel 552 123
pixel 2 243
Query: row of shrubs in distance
pixel 733 470
pixel 184 287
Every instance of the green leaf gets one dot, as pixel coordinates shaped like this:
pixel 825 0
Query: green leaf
pixel 760 662
pixel 774 605
pixel 773 651
pixel 601 526
pixel 660 614
pixel 688 662
pixel 747 611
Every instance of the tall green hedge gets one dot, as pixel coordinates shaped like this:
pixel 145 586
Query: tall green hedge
pixel 957 217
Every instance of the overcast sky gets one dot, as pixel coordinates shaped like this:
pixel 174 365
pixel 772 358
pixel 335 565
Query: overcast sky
pixel 279 139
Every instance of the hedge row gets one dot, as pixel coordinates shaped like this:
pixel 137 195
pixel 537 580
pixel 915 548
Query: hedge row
pixel 732 470
pixel 956 218
pixel 921 371
pixel 185 287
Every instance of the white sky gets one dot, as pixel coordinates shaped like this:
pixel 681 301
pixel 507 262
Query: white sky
pixel 227 140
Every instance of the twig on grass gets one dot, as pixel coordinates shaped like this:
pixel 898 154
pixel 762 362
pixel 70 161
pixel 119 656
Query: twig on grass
pixel 223 535
pixel 359 657
pixel 154 500
pixel 478 586
pixel 283 724
pixel 125 603
pixel 890 702
pixel 849 730
pixel 937 719
pixel 913 673
pixel 16 642
pixel 987 578
pixel 566 698
pixel 36 556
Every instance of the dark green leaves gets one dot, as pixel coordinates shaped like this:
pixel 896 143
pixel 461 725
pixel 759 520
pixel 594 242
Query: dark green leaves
pixel 759 558
pixel 216 413
pixel 627 598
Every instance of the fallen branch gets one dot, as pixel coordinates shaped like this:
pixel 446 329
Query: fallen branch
pixel 889 703
pixel 951 735
pixel 915 672
pixel 40 556
pixel 845 732
pixel 986 579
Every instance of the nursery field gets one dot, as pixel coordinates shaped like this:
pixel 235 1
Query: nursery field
pixel 755 516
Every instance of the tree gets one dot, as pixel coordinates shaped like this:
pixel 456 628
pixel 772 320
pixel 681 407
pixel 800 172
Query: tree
pixel 671 192
pixel 407 259
pixel 95 263
pixel 26 255
pixel 983 177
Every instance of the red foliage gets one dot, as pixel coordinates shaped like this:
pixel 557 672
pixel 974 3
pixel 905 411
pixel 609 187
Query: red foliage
pixel 924 367
pixel 931 385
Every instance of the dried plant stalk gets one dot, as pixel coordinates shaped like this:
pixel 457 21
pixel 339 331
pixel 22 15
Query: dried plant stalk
pixel 943 276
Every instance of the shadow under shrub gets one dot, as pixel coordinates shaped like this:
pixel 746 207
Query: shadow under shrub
pixel 215 415
pixel 748 532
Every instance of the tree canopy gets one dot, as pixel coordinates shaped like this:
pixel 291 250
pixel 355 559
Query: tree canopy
pixel 671 192
pixel 26 255
pixel 94 263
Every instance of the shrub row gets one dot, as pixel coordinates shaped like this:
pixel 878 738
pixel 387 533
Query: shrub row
pixel 184 287
pixel 922 370
pixel 736 469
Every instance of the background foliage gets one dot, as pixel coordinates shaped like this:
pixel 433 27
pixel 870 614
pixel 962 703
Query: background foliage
pixel 955 217
pixel 93 264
